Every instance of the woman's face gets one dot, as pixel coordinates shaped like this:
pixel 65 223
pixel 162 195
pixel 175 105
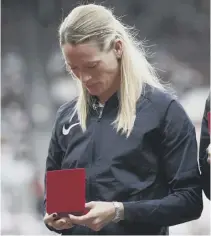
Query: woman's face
pixel 98 71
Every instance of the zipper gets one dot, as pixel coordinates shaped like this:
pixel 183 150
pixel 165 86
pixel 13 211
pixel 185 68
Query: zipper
pixel 99 111
pixel 100 114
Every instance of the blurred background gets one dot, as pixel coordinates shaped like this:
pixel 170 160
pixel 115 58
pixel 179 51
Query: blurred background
pixel 34 84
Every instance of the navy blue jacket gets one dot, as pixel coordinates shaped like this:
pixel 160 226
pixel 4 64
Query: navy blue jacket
pixel 154 172
pixel 203 155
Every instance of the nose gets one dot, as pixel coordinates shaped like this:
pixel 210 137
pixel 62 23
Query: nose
pixel 84 77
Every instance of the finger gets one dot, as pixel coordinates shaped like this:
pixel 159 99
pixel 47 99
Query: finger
pixel 80 220
pixel 66 226
pixel 50 224
pixel 62 223
pixel 58 224
pixel 90 205
pixel 96 226
pixel 96 221
pixel 70 224
pixel 59 227
pixel 50 218
pixel 68 221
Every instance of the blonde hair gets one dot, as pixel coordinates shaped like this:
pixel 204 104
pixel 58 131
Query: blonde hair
pixel 97 23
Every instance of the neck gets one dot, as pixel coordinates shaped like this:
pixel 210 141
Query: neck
pixel 103 98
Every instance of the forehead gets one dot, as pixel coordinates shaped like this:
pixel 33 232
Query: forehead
pixel 81 52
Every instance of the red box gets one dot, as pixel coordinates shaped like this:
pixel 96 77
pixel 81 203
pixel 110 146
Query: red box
pixel 65 191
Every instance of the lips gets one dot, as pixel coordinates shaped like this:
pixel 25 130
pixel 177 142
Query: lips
pixel 91 85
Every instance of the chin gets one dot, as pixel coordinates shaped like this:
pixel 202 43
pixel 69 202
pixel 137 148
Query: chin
pixel 94 92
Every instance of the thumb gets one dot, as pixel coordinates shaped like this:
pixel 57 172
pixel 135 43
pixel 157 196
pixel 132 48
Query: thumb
pixel 90 205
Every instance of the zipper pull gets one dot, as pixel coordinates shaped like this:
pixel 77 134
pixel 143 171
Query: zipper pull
pixel 100 114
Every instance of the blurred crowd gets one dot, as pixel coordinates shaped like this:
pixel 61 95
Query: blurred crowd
pixel 34 84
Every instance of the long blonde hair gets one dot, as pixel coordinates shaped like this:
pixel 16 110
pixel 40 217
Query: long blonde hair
pixel 95 22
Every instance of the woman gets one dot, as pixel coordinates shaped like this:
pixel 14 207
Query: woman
pixel 136 142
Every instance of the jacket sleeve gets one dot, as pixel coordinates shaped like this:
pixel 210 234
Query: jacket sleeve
pixel 203 155
pixel 53 162
pixel 179 158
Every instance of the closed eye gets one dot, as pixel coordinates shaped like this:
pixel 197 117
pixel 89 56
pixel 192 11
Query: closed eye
pixel 92 65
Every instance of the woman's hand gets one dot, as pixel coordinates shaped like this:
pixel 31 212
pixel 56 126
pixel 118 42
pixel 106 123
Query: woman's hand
pixel 56 222
pixel 100 214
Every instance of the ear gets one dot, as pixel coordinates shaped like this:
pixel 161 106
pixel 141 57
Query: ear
pixel 118 48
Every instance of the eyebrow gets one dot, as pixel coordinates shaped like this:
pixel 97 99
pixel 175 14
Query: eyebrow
pixel 93 61
pixel 88 62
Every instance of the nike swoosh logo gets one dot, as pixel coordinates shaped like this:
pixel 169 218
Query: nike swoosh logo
pixel 66 131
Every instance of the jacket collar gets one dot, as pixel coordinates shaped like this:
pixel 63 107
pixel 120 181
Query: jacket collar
pixel 111 103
